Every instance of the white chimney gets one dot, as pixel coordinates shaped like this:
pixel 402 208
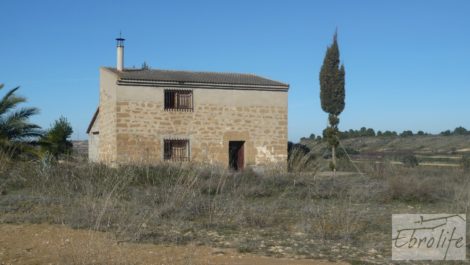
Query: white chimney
pixel 120 53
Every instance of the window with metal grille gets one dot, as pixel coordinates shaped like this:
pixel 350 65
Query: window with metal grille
pixel 176 150
pixel 178 100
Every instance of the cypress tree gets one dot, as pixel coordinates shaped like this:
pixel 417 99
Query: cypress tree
pixel 332 95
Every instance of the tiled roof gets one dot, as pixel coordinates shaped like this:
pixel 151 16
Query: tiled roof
pixel 197 77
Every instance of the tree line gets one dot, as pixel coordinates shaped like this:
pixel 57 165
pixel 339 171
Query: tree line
pixel 369 132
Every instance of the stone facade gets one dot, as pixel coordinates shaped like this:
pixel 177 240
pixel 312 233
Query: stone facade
pixel 94 139
pixel 133 123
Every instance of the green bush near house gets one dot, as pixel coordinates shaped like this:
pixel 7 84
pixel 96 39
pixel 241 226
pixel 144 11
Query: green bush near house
pixel 56 140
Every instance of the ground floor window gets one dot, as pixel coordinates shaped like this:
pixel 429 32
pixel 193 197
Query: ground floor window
pixel 176 150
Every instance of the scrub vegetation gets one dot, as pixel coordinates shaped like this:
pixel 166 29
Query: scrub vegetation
pixel 304 213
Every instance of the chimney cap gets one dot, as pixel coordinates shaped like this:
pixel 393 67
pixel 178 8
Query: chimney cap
pixel 120 41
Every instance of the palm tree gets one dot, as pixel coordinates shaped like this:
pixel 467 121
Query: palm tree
pixel 16 132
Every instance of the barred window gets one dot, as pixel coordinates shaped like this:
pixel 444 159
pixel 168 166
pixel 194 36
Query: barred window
pixel 178 100
pixel 176 150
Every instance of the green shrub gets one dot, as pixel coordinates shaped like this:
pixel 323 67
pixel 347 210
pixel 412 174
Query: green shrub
pixel 410 160
pixel 300 159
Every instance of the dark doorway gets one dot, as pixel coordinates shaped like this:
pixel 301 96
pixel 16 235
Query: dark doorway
pixel 236 155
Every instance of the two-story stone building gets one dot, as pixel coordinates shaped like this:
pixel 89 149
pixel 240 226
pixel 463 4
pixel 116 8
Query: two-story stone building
pixel 147 116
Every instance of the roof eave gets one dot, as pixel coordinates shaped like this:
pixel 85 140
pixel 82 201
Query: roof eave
pixel 158 83
pixel 92 122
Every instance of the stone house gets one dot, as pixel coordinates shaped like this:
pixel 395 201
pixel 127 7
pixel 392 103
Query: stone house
pixel 146 116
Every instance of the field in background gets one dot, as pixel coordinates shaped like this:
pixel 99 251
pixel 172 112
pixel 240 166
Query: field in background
pixel 430 150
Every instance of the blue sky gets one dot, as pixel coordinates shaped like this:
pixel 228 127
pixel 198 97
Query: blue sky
pixel 407 62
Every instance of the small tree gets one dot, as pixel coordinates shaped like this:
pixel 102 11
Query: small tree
pixel 446 133
pixel 370 132
pixel 406 133
pixel 460 131
pixel 389 133
pixel 332 95
pixel 55 140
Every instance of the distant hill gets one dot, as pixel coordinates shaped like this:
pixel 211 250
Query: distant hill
pixel 430 150
pixel 419 144
pixel 80 147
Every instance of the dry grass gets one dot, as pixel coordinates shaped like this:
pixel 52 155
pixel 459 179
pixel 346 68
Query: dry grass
pixel 300 162
pixel 302 213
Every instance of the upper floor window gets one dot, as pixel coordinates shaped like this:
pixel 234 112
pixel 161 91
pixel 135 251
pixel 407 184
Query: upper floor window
pixel 178 100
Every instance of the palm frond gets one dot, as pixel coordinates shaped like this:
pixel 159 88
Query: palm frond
pixel 21 115
pixel 16 132
pixel 10 102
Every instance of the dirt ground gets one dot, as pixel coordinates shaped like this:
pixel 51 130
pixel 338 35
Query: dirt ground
pixel 55 244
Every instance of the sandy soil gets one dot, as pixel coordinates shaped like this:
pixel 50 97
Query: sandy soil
pixel 55 244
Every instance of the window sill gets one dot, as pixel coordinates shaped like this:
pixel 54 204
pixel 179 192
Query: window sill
pixel 179 110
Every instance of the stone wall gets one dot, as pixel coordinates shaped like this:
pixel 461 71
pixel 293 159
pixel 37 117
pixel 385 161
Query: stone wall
pixel 133 124
pixel 94 142
pixel 142 125
pixel 107 117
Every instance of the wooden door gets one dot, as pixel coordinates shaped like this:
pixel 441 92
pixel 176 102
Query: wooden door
pixel 241 156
